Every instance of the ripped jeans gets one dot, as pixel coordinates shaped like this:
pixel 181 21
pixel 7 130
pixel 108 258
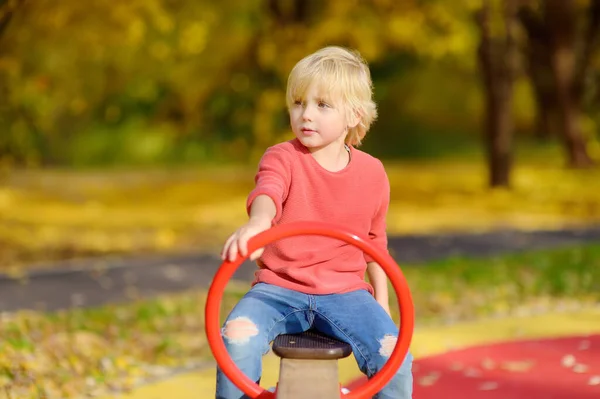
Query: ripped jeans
pixel 355 317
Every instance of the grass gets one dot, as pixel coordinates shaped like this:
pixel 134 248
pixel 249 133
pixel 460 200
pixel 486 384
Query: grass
pixel 55 215
pixel 464 288
pixel 87 351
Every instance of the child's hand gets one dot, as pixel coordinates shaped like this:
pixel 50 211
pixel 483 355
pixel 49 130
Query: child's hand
pixel 238 241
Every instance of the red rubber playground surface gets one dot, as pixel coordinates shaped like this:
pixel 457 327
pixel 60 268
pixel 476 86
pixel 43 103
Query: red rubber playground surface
pixel 558 368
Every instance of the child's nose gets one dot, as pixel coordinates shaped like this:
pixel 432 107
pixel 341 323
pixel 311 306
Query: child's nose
pixel 308 113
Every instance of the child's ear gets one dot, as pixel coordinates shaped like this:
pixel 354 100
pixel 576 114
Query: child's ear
pixel 353 120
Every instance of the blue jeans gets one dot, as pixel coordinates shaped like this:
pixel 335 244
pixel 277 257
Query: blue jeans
pixel 267 311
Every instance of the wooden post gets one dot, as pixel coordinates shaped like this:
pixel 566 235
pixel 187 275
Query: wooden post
pixel 309 365
pixel 305 378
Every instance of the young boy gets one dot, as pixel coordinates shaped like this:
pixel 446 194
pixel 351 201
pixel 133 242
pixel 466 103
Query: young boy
pixel 311 281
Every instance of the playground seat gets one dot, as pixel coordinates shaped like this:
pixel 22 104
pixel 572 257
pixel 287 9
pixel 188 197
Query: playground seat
pixel 308 366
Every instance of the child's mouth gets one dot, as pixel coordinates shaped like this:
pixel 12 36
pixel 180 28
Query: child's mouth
pixel 308 132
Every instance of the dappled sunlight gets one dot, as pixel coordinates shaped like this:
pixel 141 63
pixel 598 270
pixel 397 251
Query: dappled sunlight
pixel 454 197
pixel 63 215
pixel 47 215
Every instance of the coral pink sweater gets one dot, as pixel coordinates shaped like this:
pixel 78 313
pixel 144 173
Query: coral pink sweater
pixel 357 197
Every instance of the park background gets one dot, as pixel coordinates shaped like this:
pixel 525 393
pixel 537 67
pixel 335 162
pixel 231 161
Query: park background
pixel 131 128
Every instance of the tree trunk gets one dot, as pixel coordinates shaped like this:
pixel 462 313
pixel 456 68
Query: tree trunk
pixel 7 9
pixel 541 77
pixel 562 23
pixel 287 12
pixel 497 60
pixel 540 73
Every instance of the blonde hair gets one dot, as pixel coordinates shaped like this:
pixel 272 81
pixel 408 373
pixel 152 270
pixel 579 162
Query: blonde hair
pixel 341 72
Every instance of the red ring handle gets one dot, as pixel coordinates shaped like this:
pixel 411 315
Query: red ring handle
pixel 227 269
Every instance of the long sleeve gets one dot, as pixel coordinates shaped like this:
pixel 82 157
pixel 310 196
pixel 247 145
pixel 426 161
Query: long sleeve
pixel 272 179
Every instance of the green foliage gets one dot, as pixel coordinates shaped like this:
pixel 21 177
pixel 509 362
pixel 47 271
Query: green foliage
pixel 67 72
pixel 163 81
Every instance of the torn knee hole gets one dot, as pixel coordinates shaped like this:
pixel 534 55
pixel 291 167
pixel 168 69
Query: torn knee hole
pixel 388 343
pixel 240 330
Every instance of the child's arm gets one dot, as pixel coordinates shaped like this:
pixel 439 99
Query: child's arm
pixel 262 212
pixel 264 203
pixel 378 280
pixel 378 236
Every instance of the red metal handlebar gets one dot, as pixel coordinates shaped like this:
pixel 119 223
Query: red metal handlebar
pixel 227 269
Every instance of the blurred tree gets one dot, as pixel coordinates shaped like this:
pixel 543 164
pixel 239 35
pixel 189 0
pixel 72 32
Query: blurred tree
pixel 97 82
pixel 498 58
pixel 7 9
pixel 194 78
pixel 132 78
pixel 538 67
pixel 563 36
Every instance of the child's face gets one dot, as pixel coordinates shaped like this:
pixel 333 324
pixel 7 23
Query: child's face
pixel 318 120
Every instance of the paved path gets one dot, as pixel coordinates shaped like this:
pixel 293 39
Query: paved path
pixel 96 282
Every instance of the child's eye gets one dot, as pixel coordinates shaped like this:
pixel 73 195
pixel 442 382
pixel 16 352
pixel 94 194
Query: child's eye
pixel 323 104
pixel 297 102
